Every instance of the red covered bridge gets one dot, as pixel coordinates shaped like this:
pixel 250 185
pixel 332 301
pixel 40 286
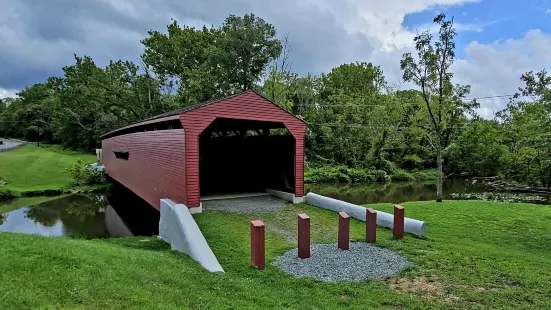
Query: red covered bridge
pixel 240 144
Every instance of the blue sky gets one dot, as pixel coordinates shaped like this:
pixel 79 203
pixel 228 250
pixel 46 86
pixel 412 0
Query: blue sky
pixel 498 19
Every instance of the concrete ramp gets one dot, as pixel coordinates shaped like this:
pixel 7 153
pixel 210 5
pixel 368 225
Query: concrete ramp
pixel 178 228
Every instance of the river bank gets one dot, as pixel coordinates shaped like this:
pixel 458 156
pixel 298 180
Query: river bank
pixel 343 174
pixel 41 171
pixel 497 183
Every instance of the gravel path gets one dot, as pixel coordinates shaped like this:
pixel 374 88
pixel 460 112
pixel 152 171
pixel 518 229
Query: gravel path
pixel 328 263
pixel 245 205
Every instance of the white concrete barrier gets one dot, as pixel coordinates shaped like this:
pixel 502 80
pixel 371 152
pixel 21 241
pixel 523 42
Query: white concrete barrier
pixel 285 196
pixel 384 219
pixel 178 228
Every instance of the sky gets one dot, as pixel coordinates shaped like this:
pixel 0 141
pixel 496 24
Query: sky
pixel 498 40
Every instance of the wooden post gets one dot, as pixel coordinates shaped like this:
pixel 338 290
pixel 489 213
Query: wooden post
pixel 303 236
pixel 257 244
pixel 398 227
pixel 370 225
pixel 344 231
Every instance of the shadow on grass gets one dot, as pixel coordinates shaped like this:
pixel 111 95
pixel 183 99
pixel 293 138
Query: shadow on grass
pixel 141 243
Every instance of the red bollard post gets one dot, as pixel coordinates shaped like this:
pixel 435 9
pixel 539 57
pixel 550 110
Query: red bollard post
pixel 370 225
pixel 398 227
pixel 303 236
pixel 257 244
pixel 344 231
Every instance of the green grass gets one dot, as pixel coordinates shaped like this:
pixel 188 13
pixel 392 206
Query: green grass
pixel 476 255
pixel 38 169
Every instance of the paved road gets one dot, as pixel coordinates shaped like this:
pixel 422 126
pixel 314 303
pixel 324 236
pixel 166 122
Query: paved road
pixel 8 144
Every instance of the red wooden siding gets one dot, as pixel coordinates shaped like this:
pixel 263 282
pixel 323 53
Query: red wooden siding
pixel 247 106
pixel 155 168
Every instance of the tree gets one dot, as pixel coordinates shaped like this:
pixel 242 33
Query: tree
pixel 279 83
pixel 180 59
pixel 527 131
pixel 212 62
pixel 244 48
pixel 91 101
pixel 479 149
pixel 444 103
pixel 340 129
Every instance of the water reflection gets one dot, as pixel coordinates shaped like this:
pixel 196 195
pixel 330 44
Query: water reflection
pixel 118 213
pixel 395 192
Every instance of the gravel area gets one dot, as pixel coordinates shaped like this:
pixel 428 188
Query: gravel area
pixel 328 263
pixel 245 205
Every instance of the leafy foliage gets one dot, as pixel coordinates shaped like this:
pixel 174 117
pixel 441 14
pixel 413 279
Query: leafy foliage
pixel 84 174
pixel 443 102
pixel 360 127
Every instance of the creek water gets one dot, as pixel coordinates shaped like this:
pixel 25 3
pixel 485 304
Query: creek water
pixel 120 213
pixel 116 213
pixel 398 192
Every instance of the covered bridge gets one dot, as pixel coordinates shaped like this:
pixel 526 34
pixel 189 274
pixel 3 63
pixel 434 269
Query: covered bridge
pixel 240 144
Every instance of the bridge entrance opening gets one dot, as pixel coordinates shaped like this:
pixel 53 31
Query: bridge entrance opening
pixel 244 156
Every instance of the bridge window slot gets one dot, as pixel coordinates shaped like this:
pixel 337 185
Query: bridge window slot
pixel 121 154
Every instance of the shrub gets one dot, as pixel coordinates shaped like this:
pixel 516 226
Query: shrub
pixel 357 175
pixel 381 176
pixel 343 174
pixel 6 194
pixel 427 175
pixel 83 174
pixel 402 176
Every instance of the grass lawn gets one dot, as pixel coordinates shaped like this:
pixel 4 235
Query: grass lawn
pixel 32 168
pixel 477 255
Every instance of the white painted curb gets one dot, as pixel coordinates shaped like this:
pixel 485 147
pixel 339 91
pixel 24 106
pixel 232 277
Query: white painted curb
pixel 178 228
pixel 285 196
pixel 416 227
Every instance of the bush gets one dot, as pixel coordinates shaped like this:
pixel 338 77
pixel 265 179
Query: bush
pixel 426 175
pixel 357 175
pixel 83 174
pixel 327 175
pixel 402 176
pixel 343 174
pixel 6 194
pixel 381 176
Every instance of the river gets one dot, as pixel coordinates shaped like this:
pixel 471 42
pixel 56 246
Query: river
pixel 120 213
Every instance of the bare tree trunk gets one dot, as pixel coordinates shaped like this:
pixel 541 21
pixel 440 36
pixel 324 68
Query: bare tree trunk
pixel 439 174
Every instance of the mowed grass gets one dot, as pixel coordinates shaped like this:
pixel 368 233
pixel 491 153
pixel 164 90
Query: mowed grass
pixel 477 255
pixel 32 168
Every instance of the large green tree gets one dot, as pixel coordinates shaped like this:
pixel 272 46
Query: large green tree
pixel 527 131
pixel 92 100
pixel 244 48
pixel 212 62
pixel 443 102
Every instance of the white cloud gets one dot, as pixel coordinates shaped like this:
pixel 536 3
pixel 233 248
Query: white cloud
pixel 382 20
pixel 8 93
pixel 494 69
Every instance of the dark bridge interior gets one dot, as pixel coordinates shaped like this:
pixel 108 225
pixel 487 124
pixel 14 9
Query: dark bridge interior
pixel 241 156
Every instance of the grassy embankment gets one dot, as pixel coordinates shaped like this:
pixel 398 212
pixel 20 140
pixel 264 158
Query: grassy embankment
pixel 343 174
pixel 31 170
pixel 477 255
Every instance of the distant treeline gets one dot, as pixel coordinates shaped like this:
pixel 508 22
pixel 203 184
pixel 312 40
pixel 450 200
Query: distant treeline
pixel 355 118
